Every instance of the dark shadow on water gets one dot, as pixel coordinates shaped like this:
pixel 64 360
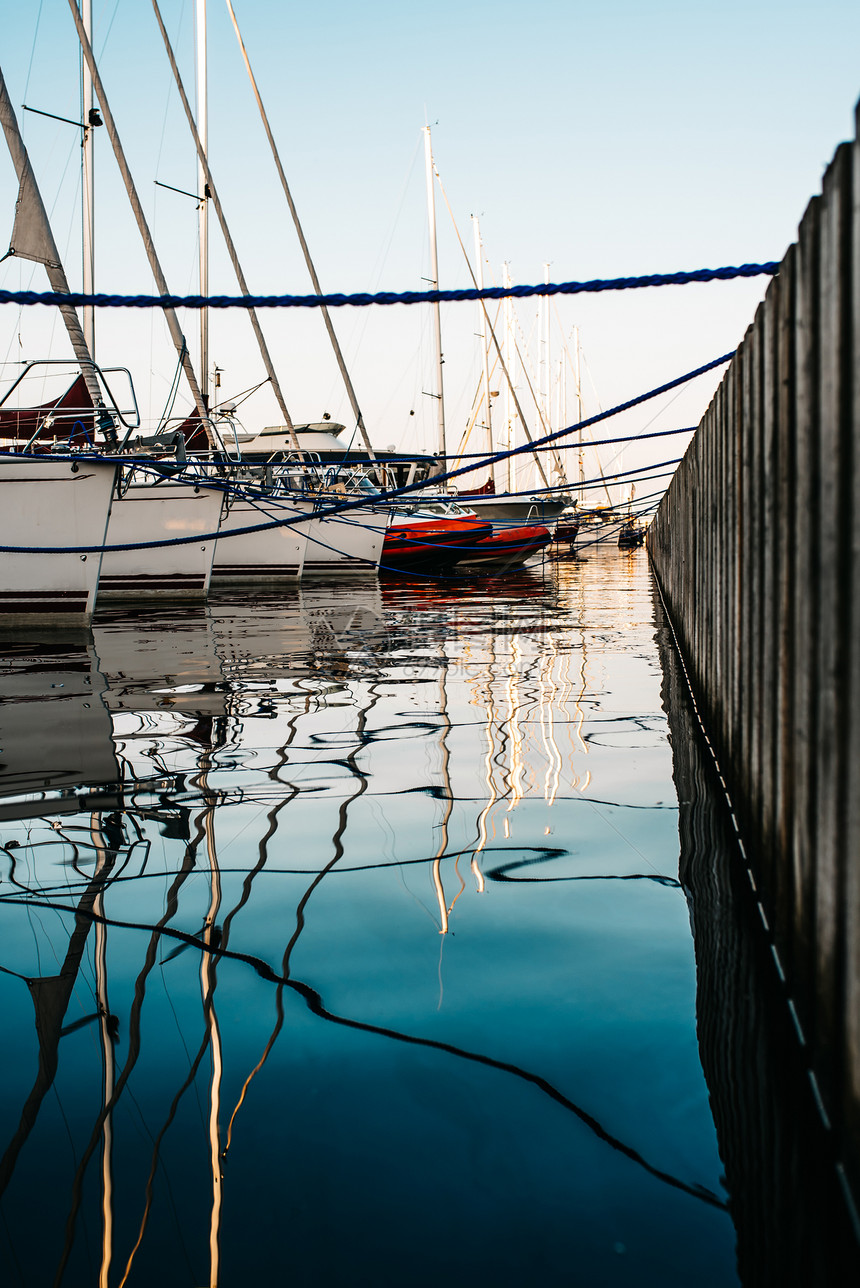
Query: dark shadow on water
pixel 789 1212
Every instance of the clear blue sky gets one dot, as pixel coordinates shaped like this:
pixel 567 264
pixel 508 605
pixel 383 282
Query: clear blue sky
pixel 606 139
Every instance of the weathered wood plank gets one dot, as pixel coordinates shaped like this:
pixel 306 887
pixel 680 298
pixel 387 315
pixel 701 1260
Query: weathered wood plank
pixel 770 867
pixel 851 715
pixel 829 742
pixel 805 597
pixel 786 506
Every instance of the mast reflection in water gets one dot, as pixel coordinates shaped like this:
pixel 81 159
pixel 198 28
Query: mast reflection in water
pixel 351 927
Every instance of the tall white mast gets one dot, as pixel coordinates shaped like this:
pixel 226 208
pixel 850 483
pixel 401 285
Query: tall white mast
pixel 577 375
pixel 434 285
pixel 510 363
pixel 485 358
pixel 88 186
pixel 546 392
pixel 203 190
pixel 157 272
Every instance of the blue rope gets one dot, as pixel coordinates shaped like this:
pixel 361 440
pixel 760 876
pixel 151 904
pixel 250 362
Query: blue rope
pixel 385 497
pixel 577 447
pixel 362 299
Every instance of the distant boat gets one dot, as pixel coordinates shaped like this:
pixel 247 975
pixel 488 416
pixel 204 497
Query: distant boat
pixel 631 535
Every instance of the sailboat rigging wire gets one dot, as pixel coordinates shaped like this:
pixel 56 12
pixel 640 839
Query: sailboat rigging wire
pixel 486 318
pixel 335 344
pixel 600 442
pixel 363 299
pixel 228 240
pixel 172 391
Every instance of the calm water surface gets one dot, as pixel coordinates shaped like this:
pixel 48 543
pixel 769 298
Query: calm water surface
pixel 351 927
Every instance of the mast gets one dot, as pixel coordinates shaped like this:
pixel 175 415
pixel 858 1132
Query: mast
pixel 350 392
pixel 160 280
pixel 546 366
pixel 434 285
pixel 509 360
pixel 485 357
pixel 203 189
pixel 577 377
pixel 88 188
pixel 211 191
pixel 33 239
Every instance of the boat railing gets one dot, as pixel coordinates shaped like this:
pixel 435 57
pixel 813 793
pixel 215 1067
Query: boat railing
pixel 79 419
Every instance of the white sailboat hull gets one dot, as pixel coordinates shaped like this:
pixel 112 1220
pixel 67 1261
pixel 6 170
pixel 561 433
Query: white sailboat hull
pixel 156 512
pixel 344 545
pixel 44 503
pixel 274 555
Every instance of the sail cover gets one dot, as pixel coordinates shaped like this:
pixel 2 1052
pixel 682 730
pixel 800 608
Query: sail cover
pixel 193 430
pixel 72 417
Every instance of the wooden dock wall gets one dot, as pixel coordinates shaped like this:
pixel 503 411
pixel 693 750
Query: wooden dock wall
pixel 756 549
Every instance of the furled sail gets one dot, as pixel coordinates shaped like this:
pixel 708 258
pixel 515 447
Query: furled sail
pixel 31 235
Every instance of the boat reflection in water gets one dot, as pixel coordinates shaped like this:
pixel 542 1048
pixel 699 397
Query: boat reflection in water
pixel 255 1056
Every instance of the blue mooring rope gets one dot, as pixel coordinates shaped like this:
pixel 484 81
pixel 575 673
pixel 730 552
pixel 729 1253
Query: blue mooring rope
pixel 362 299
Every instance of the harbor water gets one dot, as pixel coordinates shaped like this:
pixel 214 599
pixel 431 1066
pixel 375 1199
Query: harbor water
pixel 347 939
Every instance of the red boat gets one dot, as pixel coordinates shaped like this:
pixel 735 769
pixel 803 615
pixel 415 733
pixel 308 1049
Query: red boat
pixel 507 547
pixel 431 545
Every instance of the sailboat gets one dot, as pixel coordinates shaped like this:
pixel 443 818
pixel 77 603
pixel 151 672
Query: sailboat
pixel 48 506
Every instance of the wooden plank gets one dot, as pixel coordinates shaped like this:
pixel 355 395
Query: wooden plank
pixel 736 607
pixel 805 615
pixel 770 519
pixel 785 661
pixel 754 623
pixel 834 432
pixel 741 769
pixel 851 716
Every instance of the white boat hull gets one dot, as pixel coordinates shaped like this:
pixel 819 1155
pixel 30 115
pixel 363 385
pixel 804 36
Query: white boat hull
pixel 344 545
pixel 334 546
pixel 46 502
pixel 156 512
pixel 274 555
